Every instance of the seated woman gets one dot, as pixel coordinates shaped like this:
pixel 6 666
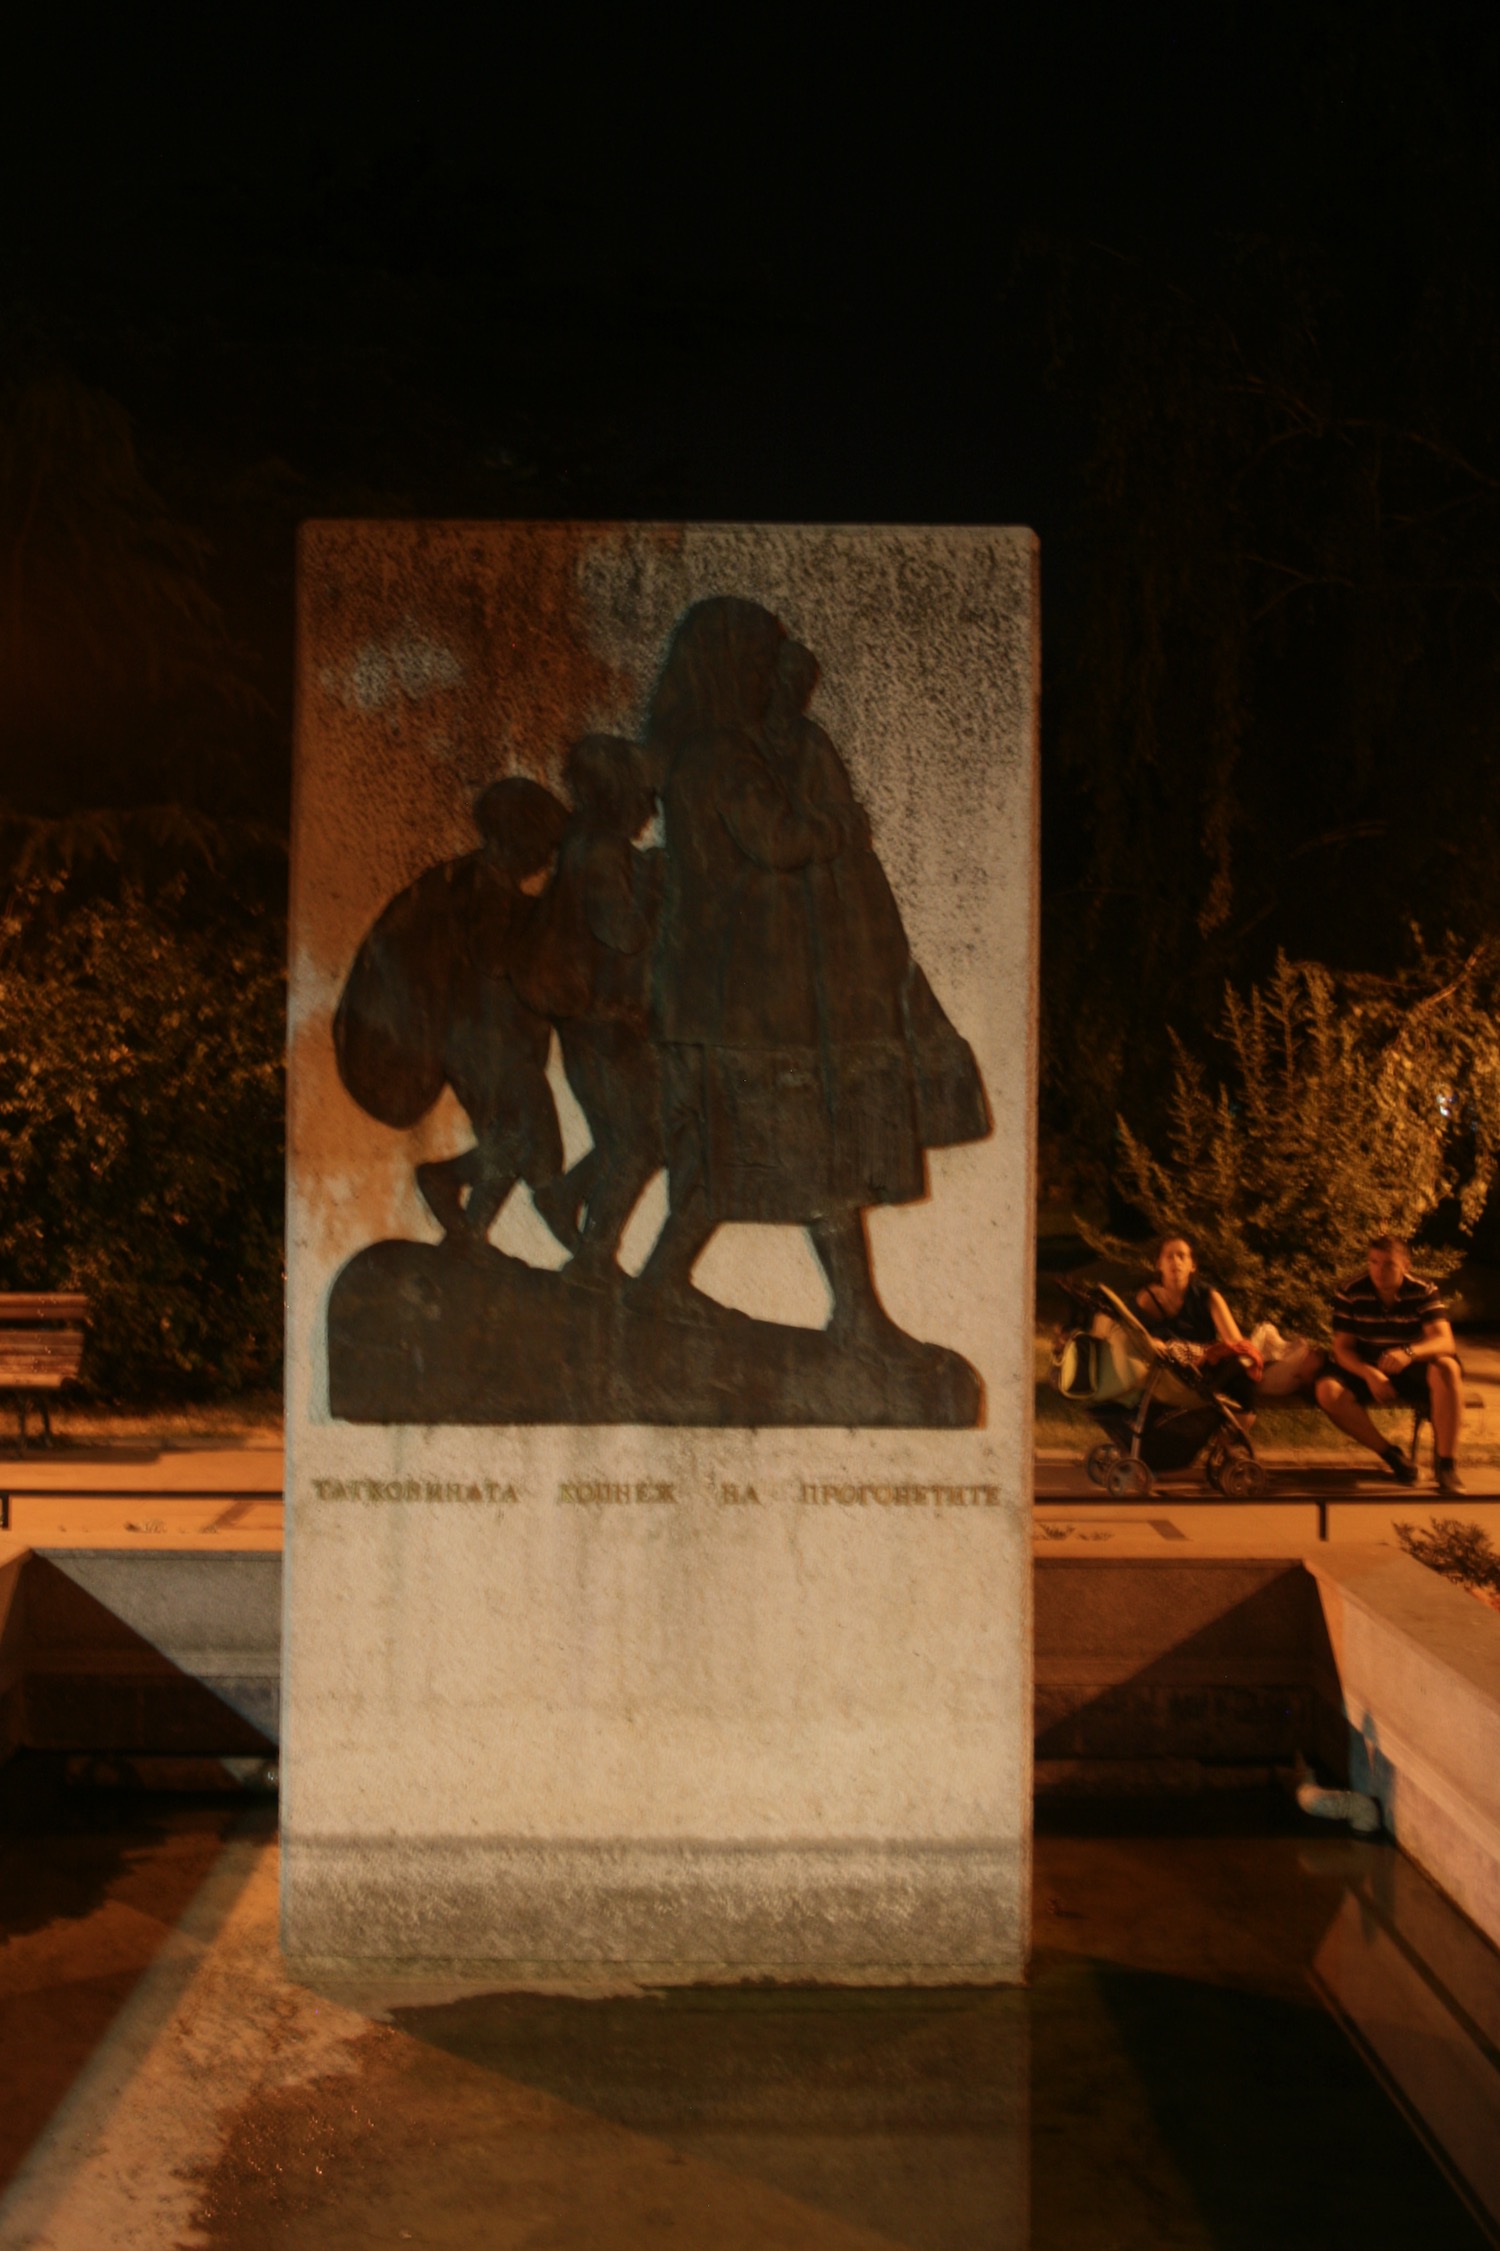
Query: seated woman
pixel 1179 1307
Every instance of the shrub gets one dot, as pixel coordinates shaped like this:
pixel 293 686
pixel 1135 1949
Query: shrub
pixel 141 1135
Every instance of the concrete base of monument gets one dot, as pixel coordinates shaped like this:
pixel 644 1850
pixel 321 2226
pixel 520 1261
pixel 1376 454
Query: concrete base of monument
pixel 447 1333
pixel 536 1915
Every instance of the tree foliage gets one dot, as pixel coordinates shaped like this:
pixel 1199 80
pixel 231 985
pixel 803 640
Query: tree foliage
pixel 1350 1107
pixel 117 665
pixel 95 561
pixel 141 1134
pixel 1274 668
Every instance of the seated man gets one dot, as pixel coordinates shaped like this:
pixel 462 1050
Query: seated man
pixel 1391 1340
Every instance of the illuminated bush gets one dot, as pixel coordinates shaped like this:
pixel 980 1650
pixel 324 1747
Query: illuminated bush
pixel 1349 1107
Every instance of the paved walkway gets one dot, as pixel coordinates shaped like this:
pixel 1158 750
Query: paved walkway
pixel 1310 1499
pixel 134 1494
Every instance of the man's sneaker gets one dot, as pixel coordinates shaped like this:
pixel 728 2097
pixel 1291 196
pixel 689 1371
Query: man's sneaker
pixel 1448 1479
pixel 1404 1472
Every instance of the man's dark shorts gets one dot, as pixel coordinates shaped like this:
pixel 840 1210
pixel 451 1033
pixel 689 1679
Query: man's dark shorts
pixel 1411 1384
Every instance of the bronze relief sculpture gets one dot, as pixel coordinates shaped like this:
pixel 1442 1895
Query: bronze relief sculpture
pixel 740 1006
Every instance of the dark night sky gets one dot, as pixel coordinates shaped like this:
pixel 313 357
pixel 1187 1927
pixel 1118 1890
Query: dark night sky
pixel 750 267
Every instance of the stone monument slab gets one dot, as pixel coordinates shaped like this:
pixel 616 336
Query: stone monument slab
pixel 662 1055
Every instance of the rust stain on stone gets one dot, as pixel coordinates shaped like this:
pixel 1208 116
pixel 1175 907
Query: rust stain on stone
pixel 468 644
pixel 353 1175
pixel 433 659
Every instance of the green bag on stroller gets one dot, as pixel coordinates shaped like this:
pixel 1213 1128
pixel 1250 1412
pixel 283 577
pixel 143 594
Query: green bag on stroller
pixel 1096 1371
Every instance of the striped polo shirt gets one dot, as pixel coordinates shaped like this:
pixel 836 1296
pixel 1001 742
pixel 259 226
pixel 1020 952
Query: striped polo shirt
pixel 1360 1313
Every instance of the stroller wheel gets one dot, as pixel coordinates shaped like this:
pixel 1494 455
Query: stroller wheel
pixel 1100 1462
pixel 1242 1478
pixel 1128 1479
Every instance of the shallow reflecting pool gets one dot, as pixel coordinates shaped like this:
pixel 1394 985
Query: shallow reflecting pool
pixel 1242 2030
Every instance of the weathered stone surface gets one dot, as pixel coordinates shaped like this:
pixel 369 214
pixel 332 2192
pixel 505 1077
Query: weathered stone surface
pixel 1173 1657
pixel 156 1651
pixel 13 1560
pixel 658 1576
pixel 1418 1674
pixel 528 1910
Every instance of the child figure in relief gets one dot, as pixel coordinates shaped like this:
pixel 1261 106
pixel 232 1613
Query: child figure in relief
pixel 495 1052
pixel 430 1001
pixel 586 966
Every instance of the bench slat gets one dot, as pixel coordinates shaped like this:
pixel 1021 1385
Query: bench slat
pixel 35 1358
pixel 43 1305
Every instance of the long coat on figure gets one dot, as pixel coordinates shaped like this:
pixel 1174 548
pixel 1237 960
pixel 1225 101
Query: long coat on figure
pixel 806 1062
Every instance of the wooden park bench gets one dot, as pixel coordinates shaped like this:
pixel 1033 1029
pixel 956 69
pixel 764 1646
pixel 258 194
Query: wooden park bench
pixel 41 1345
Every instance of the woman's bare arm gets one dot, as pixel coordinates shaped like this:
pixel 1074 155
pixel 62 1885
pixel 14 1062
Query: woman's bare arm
pixel 1229 1332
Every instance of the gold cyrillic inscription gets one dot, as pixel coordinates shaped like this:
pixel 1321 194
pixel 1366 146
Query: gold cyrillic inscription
pixel 901 1496
pixel 412 1489
pixel 590 1491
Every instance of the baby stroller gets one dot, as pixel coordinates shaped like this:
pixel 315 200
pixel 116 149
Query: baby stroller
pixel 1156 1404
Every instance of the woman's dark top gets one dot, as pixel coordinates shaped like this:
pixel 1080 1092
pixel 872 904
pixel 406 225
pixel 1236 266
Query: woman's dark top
pixel 1193 1323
